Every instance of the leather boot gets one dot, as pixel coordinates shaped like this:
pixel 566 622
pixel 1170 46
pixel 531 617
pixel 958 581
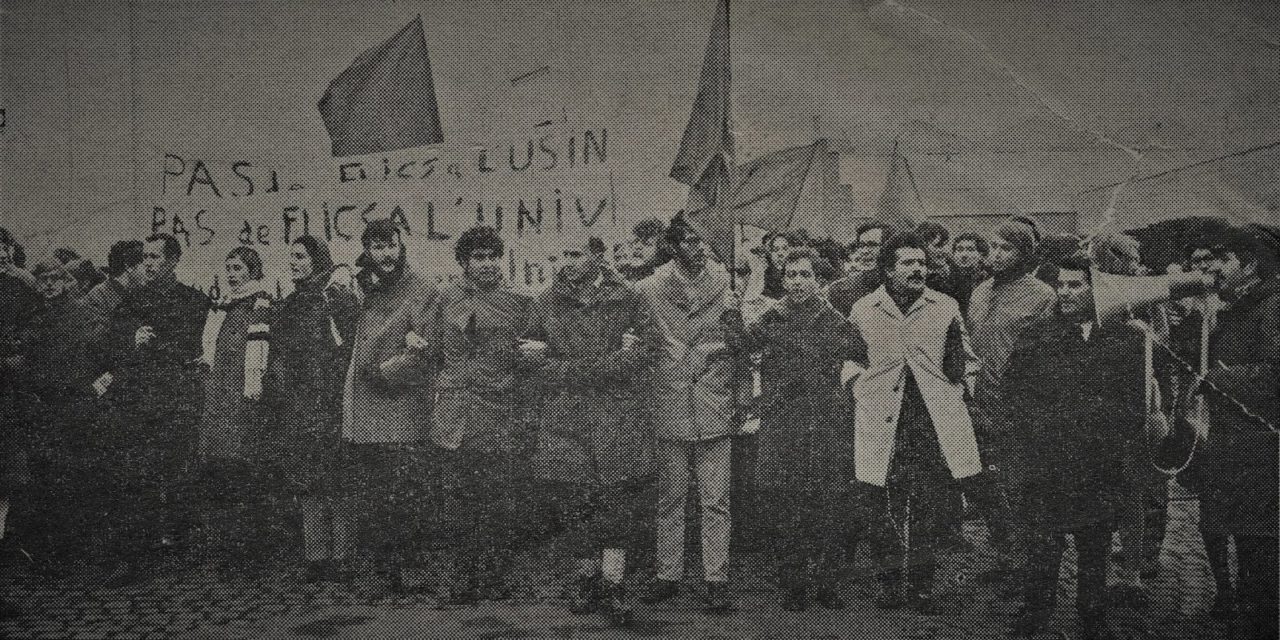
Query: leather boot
pixel 613 603
pixel 586 595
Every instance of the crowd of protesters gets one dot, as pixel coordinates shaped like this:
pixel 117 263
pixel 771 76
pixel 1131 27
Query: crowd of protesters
pixel 865 392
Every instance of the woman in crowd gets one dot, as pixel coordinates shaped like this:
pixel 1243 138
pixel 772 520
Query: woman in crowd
pixel 232 425
pixel 308 363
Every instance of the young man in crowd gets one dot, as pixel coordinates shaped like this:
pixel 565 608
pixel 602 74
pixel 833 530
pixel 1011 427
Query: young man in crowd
pixel 1078 390
pixel 865 276
pixel 805 462
pixel 648 253
pixel 594 457
pixel 694 408
pixel 1000 309
pixel 387 396
pixel 913 438
pixel 61 373
pixel 156 398
pixel 1240 476
pixel 481 417
pixel 969 260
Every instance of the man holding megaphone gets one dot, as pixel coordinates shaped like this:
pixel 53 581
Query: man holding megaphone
pixel 1238 457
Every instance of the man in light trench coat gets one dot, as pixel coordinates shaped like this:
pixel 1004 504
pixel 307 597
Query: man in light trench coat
pixel 913 438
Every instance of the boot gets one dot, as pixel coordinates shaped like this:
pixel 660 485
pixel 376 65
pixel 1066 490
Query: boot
pixel 613 604
pixel 718 598
pixel 795 599
pixel 890 593
pixel 1224 605
pixel 660 591
pixel 828 596
pixel 585 597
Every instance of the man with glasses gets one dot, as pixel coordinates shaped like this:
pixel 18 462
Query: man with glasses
pixel 864 277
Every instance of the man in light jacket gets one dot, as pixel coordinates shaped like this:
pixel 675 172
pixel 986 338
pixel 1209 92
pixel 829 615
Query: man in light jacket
pixel 693 409
pixel 913 438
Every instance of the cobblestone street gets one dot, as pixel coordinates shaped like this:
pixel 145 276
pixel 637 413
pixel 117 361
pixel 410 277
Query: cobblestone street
pixel 201 602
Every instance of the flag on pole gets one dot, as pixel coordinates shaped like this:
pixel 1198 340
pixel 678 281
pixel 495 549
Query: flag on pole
pixel 709 133
pixel 900 205
pixel 385 100
pixel 767 195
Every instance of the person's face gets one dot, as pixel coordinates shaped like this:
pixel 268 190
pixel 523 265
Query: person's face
pixel 6 256
pixel 1229 273
pixel 154 262
pixel 385 253
pixel 579 265
pixel 868 249
pixel 52 284
pixel 965 254
pixel 237 273
pixel 300 265
pixel 691 252
pixel 1004 255
pixel 135 276
pixel 484 266
pixel 1200 260
pixel 642 251
pixel 1075 294
pixel 909 270
pixel 779 247
pixel 799 281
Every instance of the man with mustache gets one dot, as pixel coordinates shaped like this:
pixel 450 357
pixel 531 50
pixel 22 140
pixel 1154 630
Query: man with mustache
pixel 913 438
pixel 1240 475
pixel 387 392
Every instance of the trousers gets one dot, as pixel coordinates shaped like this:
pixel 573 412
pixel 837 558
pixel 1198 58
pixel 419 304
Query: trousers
pixel 711 462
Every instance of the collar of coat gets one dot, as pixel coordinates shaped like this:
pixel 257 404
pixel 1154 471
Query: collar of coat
pixel 695 294
pixel 881 298
pixel 609 286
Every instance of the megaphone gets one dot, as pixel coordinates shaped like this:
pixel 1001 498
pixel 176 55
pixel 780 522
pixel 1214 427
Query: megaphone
pixel 1117 298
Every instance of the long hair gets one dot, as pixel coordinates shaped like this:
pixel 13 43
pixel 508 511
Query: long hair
pixel 321 259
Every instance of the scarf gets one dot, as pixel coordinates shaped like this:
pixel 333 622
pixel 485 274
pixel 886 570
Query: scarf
pixel 256 348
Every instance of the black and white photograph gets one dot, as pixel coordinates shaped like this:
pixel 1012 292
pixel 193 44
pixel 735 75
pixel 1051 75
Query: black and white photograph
pixel 868 319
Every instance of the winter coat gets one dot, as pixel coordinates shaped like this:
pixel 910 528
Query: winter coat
pixel 844 292
pixel 999 311
pixel 806 427
pixel 157 393
pixel 19 311
pixel 1080 403
pixel 62 365
pixel 1240 474
pixel 918 339
pixel 232 425
pixel 387 389
pixel 309 360
pixel 594 427
pixel 693 397
pixel 480 393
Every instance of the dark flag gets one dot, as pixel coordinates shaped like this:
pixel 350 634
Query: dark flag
pixel 385 100
pixel 767 195
pixel 900 205
pixel 709 133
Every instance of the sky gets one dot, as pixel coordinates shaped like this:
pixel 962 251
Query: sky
pixel 999 106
